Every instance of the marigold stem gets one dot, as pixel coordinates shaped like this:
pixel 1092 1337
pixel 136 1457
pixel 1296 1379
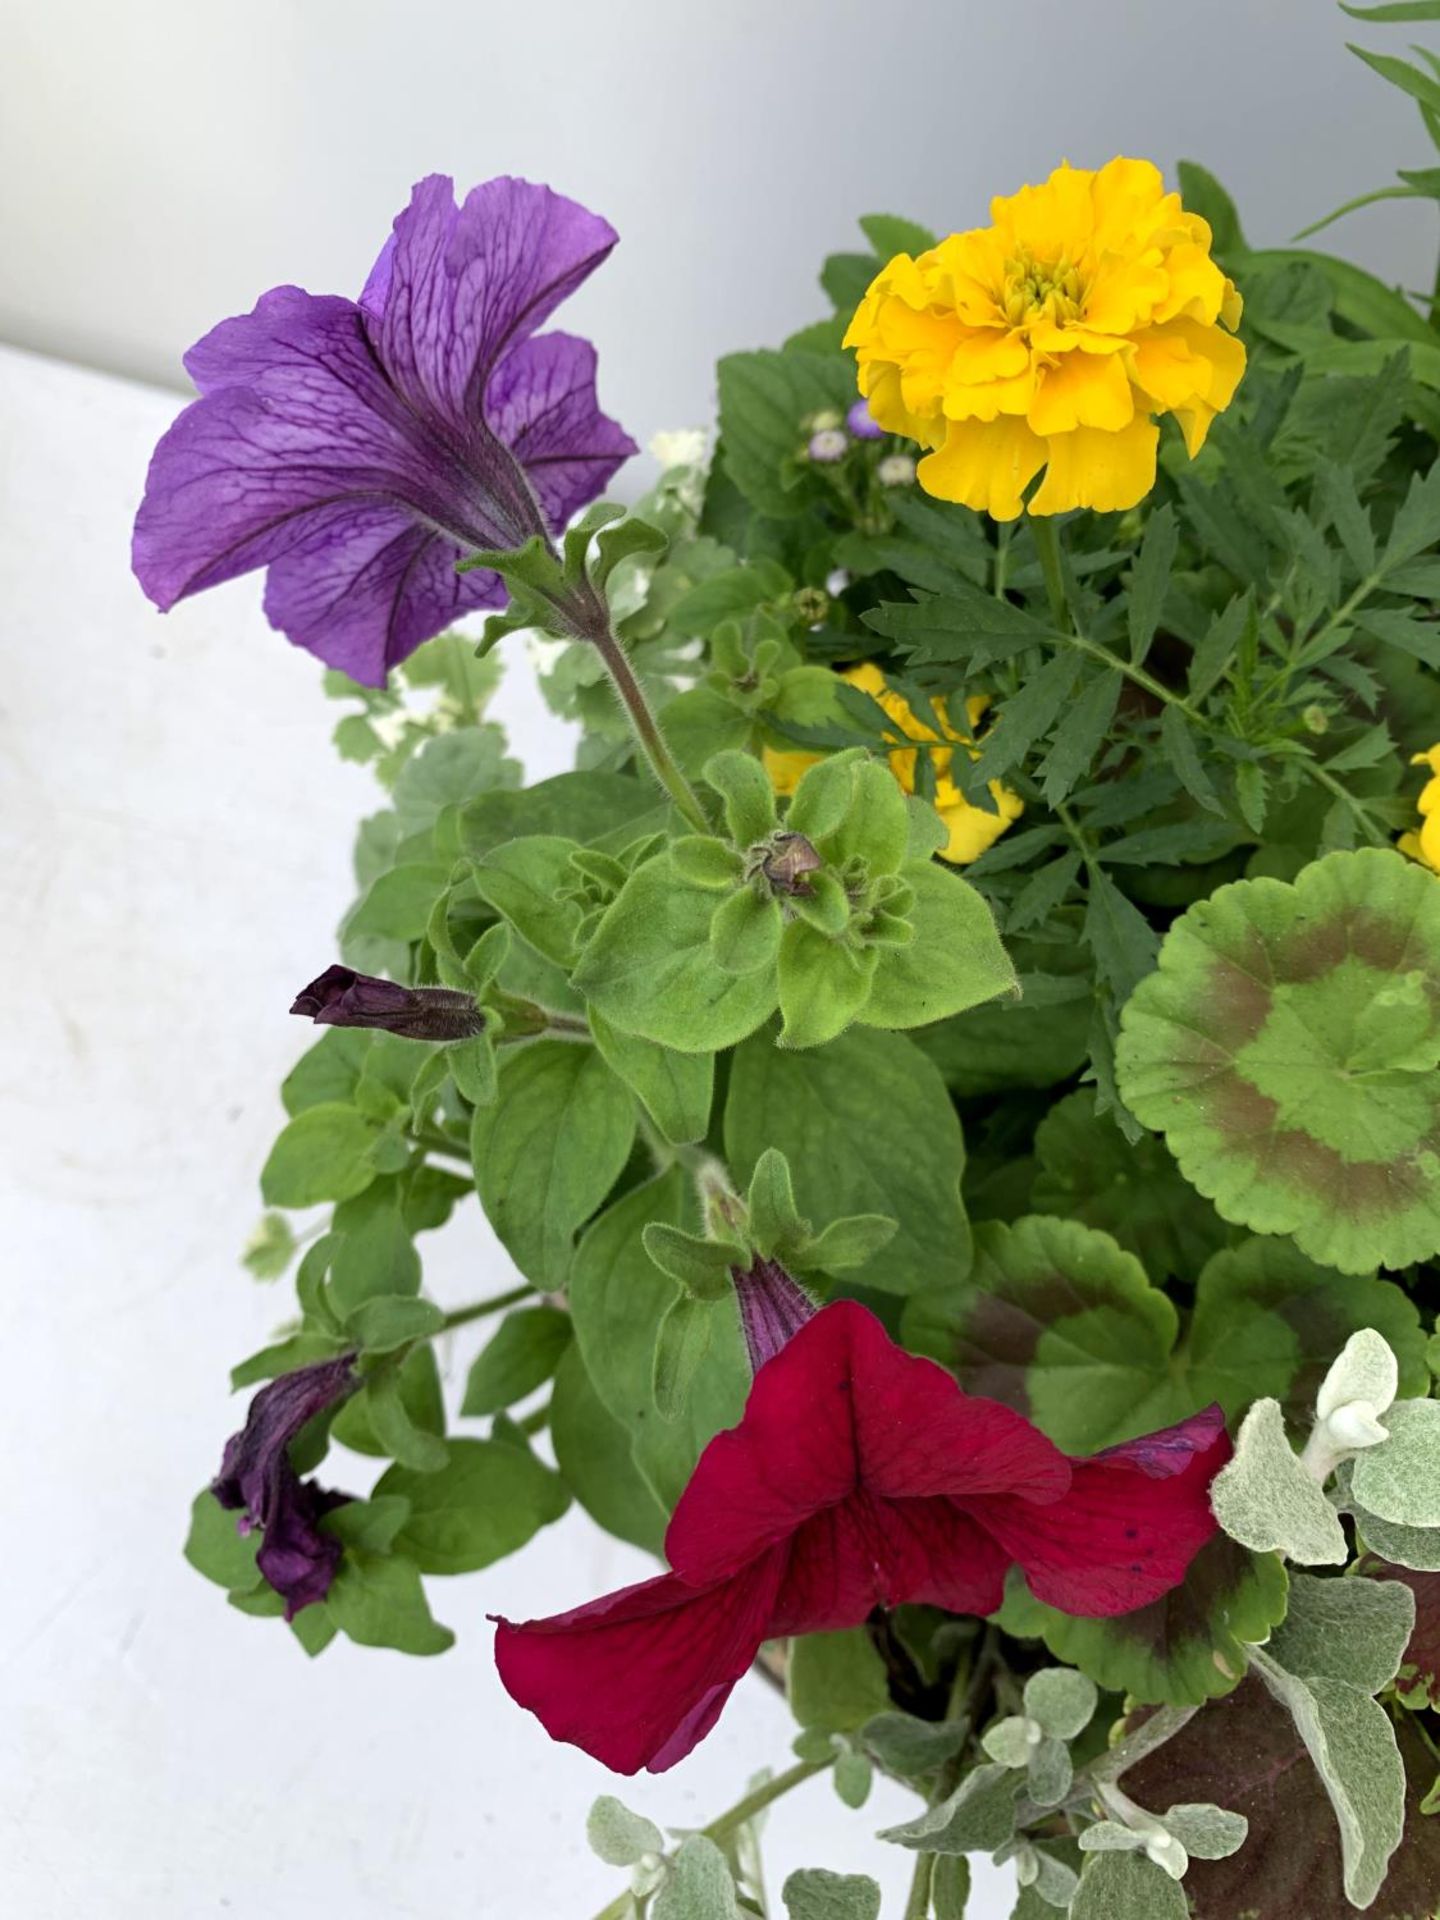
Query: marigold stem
pixel 1046 536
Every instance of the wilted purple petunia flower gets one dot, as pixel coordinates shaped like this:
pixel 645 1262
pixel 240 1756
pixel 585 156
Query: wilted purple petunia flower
pixel 257 1479
pixel 359 449
pixel 862 422
pixel 343 998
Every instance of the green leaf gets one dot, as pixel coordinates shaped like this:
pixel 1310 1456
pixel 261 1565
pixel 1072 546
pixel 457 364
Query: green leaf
pixel 368 1525
pixel 902 1744
pixel 1090 1172
pixel 813 1893
pixel 1029 714
pixel 1117 933
pixel 823 984
pixel 524 880
pixel 394 1427
pixel 675 1089
pixel 698 1885
pixel 1410 79
pixel 1393 10
pixel 617 1300
pixel 729 595
pixel 389 1321
pixel 324 1154
pixel 216 1548
pixel 379 1602
pixel 420 1400
pixel 520 1356
pixel 1265 1499
pixel 1126 1886
pixel 619 1837
pixel 592 1451
pixel 576 806
pixel 1183 1649
pixel 852 1777
pixel 744 786
pixel 1178 743
pixel 680 1349
pixel 977 1817
pixel 847 1244
pixel 1080 735
pixel 818 1109
pixel 1203 194
pixel 955 961
pixel 650 971
pixel 1150 581
pixel 270 1248
pixel 485 1502
pixel 1286 1045
pixel 836 1681
pixel 1056 1320
pixel 1399 1481
pixel 372 1255
pixel 764 397
pixel 699 1265
pixel 547 1153
pixel 888 234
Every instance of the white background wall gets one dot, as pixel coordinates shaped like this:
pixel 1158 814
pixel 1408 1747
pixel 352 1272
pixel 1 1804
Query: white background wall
pixel 163 162
pixel 174 831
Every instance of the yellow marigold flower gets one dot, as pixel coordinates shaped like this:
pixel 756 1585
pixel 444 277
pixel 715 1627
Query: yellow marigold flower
pixel 1053 338
pixel 972 828
pixel 1424 842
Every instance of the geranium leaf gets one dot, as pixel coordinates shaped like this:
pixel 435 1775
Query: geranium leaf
pixel 1090 1172
pixel 1183 1649
pixel 1286 1046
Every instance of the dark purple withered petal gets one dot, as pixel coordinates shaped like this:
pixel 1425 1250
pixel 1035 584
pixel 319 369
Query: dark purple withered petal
pixel 340 997
pixel 257 1480
pixel 773 1308
pixel 358 450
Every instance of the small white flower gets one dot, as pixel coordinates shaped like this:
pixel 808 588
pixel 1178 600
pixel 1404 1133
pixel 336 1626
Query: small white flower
pixel 828 445
pixel 836 581
pixel 896 470
pixel 1359 1387
pixel 681 447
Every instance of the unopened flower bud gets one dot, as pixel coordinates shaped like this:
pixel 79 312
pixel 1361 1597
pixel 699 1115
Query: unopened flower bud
pixel 1167 1853
pixel 340 997
pixel 1316 719
pixel 790 859
pixel 896 470
pixel 811 604
pixel 862 423
pixel 827 420
pixel 827 446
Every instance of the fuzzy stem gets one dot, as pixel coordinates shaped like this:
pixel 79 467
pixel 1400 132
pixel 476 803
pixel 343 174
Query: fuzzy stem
pixel 745 1810
pixel 917 1906
pixel 478 1309
pixel 588 618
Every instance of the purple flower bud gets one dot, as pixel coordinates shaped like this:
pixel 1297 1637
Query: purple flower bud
pixel 862 423
pixel 827 446
pixel 773 1307
pixel 343 998
pixel 257 1480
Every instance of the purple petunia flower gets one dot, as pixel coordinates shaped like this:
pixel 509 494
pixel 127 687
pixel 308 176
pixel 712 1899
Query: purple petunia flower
pixel 257 1480
pixel 340 997
pixel 359 449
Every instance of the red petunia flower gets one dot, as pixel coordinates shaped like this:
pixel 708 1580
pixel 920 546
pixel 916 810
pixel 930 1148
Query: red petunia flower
pixel 859 1476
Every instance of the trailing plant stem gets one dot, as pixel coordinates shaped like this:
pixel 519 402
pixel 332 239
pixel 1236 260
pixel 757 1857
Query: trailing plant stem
pixel 590 621
pixel 478 1309
pixel 917 1906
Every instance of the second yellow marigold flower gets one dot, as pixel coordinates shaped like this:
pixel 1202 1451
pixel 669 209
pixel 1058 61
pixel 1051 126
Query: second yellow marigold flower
pixel 1053 338
pixel 972 829
pixel 1423 843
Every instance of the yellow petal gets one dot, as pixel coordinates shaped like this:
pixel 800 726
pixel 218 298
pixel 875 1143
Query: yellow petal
pixel 1430 842
pixel 1082 390
pixel 1090 468
pixel 784 769
pixel 973 830
pixel 984 464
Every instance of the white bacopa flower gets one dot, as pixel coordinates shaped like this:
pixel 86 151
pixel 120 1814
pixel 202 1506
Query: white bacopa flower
pixel 681 447
pixel 896 470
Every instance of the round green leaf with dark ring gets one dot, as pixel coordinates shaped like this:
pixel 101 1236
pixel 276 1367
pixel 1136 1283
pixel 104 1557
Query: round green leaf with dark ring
pixel 1286 1046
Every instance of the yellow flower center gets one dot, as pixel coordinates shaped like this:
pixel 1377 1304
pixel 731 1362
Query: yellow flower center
pixel 1041 289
